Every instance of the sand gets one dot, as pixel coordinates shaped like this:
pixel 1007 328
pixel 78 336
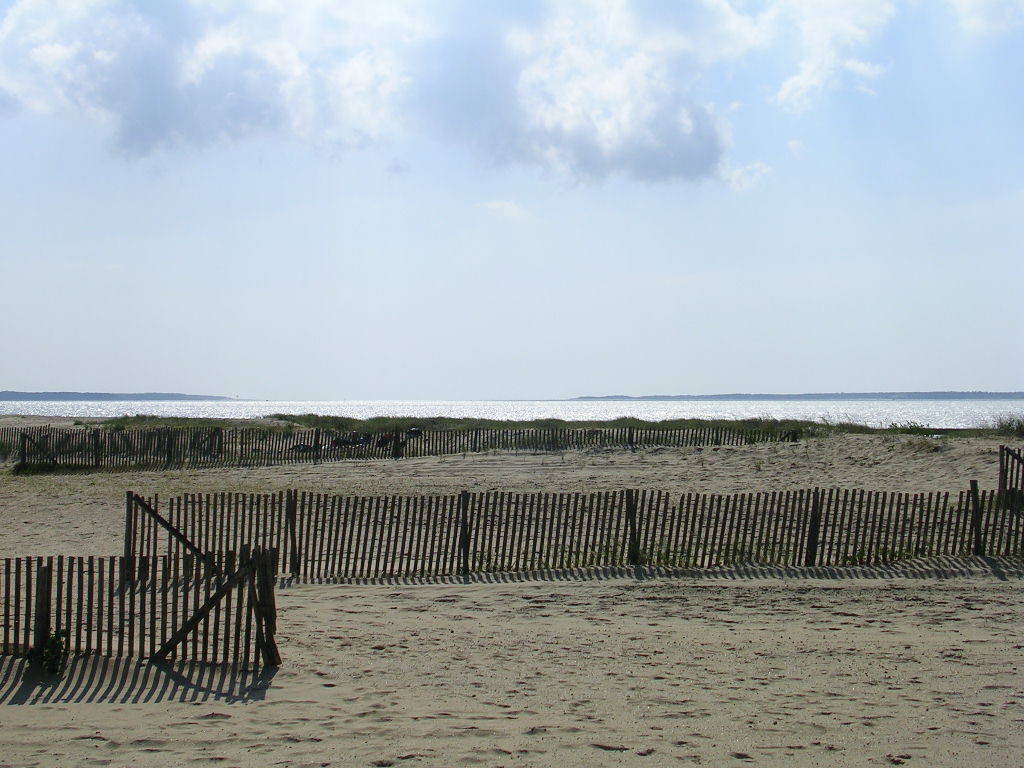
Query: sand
pixel 84 513
pixel 916 664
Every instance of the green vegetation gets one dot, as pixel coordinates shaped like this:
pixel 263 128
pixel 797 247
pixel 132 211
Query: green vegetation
pixel 924 445
pixel 667 557
pixel 1009 425
pixel 1006 425
pixel 53 654
pixel 121 423
pixel 46 468
pixel 828 426
pixel 437 423
pixel 910 428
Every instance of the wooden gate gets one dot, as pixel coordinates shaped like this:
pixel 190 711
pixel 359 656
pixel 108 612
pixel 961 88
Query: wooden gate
pixel 143 607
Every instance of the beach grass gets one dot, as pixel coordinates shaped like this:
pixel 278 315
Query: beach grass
pixel 1009 425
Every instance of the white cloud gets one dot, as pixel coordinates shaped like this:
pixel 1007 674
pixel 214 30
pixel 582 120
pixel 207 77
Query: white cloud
pixel 592 88
pixel 990 16
pixel 171 73
pixel 585 89
pixel 505 209
pixel 582 88
pixel 795 146
pixel 596 96
pixel 743 178
pixel 829 32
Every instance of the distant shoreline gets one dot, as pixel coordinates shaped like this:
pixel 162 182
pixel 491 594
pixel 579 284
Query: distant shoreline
pixel 14 396
pixel 10 396
pixel 824 396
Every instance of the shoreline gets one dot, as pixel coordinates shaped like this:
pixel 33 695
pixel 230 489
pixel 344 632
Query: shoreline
pixel 940 414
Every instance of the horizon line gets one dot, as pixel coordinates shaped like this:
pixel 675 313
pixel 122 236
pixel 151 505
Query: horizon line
pixel 21 396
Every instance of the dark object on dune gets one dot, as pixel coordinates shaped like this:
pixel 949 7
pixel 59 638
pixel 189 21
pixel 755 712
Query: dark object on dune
pixel 302 448
pixel 350 442
pixel 412 432
pixel 385 440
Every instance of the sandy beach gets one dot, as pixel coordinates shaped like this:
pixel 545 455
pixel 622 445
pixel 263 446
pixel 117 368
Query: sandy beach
pixel 84 513
pixel 915 664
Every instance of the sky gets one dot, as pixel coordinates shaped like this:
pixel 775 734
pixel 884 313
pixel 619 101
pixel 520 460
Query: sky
pixel 472 199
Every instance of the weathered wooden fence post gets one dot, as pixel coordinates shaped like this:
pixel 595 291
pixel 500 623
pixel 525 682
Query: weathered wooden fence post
pixel 263 577
pixel 632 529
pixel 97 455
pixel 129 536
pixel 23 454
pixel 41 619
pixel 1003 461
pixel 291 525
pixel 813 530
pixel 464 533
pixel 979 542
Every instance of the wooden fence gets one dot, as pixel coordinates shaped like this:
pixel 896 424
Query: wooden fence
pixel 83 448
pixel 179 607
pixel 328 537
pixel 1011 471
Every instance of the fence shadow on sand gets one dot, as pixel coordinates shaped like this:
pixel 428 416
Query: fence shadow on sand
pixel 943 567
pixel 91 679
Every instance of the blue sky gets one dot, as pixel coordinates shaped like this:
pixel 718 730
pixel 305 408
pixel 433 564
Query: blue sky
pixel 434 200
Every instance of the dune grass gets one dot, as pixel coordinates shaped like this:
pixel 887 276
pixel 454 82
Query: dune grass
pixel 1010 425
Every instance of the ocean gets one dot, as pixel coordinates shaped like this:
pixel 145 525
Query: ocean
pixel 953 413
